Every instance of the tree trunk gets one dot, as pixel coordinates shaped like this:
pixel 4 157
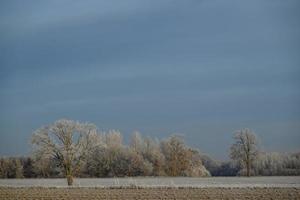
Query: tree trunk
pixel 70 180
pixel 69 172
pixel 248 168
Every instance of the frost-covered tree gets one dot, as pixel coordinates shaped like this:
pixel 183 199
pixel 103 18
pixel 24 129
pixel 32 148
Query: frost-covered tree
pixel 11 168
pixel 245 149
pixel 137 165
pixel 4 168
pixel 18 168
pixel 111 158
pixel 113 139
pixel 136 142
pixel 28 169
pixel 176 155
pixel 195 167
pixel 173 150
pixel 152 153
pixel 181 160
pixel 67 142
pixel 275 164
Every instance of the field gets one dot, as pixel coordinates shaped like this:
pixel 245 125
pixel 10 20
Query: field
pixel 149 193
pixel 153 188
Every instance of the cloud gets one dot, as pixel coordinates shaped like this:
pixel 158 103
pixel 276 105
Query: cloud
pixel 152 65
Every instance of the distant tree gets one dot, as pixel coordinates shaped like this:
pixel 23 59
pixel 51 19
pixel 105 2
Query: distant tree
pixel 28 168
pixel 115 156
pixel 18 168
pixel 113 139
pixel 277 164
pixel 11 168
pixel 174 151
pixel 111 158
pixel 65 141
pixel 139 165
pixel 210 164
pixel 153 154
pixel 88 168
pixel 228 168
pixel 195 168
pixel 245 149
pixel 176 156
pixel 45 165
pixel 4 168
pixel 137 142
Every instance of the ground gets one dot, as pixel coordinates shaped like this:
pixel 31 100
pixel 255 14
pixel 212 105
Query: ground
pixel 42 193
pixel 238 188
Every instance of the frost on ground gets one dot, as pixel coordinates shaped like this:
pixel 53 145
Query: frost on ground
pixel 216 182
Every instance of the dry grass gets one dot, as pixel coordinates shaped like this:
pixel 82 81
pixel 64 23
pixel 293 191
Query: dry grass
pixel 39 193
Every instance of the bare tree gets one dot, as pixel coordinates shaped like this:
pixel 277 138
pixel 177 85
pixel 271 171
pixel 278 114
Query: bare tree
pixel 136 142
pixel 276 164
pixel 176 154
pixel 195 168
pixel 18 168
pixel 111 158
pixel 67 142
pixel 245 149
pixel 11 168
pixel 113 139
pixel 152 153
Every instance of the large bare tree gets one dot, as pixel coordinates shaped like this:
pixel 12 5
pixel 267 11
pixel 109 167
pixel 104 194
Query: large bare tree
pixel 67 142
pixel 245 149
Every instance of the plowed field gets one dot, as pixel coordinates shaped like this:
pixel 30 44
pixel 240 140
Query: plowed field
pixel 42 193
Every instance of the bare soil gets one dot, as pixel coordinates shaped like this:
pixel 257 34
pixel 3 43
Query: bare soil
pixel 42 193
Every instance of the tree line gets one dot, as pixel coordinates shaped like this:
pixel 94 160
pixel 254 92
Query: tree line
pixel 69 148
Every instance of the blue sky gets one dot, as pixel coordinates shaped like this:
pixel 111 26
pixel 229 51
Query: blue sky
pixel 202 68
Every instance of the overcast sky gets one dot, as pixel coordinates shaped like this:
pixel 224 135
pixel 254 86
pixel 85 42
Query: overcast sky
pixel 202 68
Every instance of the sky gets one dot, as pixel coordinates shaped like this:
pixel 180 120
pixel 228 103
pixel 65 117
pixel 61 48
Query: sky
pixel 199 68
